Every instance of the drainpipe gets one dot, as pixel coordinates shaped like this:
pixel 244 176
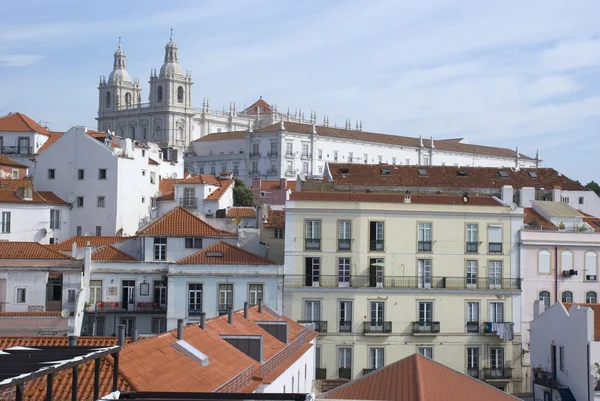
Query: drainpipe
pixel 555 274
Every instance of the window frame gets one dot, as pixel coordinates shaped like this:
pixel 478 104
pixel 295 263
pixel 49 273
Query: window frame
pixel 374 358
pixel 194 311
pixel 225 292
pixel 344 229
pixel 102 173
pixel 55 219
pixel 51 174
pixel 101 201
pixel 564 299
pixel 5 222
pixel 424 236
pixel 258 292
pixel 587 297
pixel 18 298
pixel 313 240
pixel 80 201
pixel 160 248
pixel 193 241
pixel 472 238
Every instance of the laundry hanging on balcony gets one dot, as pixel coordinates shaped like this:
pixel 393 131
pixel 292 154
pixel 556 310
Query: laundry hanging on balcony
pixel 504 330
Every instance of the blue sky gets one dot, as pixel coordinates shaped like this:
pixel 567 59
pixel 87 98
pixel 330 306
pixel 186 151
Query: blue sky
pixel 508 73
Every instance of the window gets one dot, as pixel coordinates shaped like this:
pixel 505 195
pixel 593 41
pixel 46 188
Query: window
pixel 345 363
pixel 581 200
pixel 54 290
pixel 305 167
pixel 320 169
pixel 273 149
pixel 365 158
pixel 472 317
pixel 344 272
pixel 95 291
pixel 289 149
pixel 472 238
pixel 255 149
pixel 544 297
pixel 345 317
pixel 143 199
pixel 544 262
pixel 591 297
pixel 80 201
pixel 313 234
pixel 79 230
pixel 160 249
pixel 567 296
pixel 213 169
pixel 256 293
pixel 320 153
pixel 159 94
pixel 424 273
pixel 472 269
pixel 5 222
pixel 236 169
pixel 278 233
pixel 195 243
pixel 51 173
pixel 153 203
pixel 225 297
pixel 254 166
pixel 21 295
pixel 566 260
pixel 377 314
pixel 591 266
pixel 495 273
pixel 152 177
pixel 426 352
pixel 129 323
pixel 376 271
pixel 159 325
pixel 497 361
pixel 102 174
pixel 496 312
pixel 335 155
pixel 561 357
pixel 350 157
pixel 159 293
pixel 180 94
pixel 495 239
pixel 565 199
pixel 426 315
pixel 107 99
pixel 80 174
pixel 344 235
pixel 376 235
pixel 473 361
pixel 15 174
pixel 194 299
pixel 101 201
pixel 393 161
pixel 70 296
pixel 312 311
pixel 132 131
pixel 376 358
pixel 380 159
pixel 98 231
pixel 223 168
pixel 290 167
pixel 424 237
pixel 304 150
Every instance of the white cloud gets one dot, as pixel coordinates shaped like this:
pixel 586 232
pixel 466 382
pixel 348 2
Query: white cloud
pixel 572 55
pixel 18 60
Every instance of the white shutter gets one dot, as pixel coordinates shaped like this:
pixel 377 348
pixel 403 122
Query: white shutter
pixel 544 262
pixel 566 260
pixel 495 234
pixel 591 263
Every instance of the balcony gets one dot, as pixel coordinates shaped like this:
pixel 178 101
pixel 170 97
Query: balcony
pixel 254 155
pixel 194 312
pixel 426 327
pixel 320 325
pixel 289 154
pixel 495 247
pixel 487 327
pixel 16 150
pixel 473 372
pixel 345 326
pixel 472 327
pixel 223 310
pixel 273 154
pixel 312 244
pixel 272 171
pixel 377 327
pixel 376 245
pixel 254 172
pixel 424 246
pixel 320 373
pixel 306 156
pixel 345 373
pixel 344 244
pixel 290 173
pixel 497 373
pixel 472 247
pixel 119 307
pixel 188 203
pixel 405 282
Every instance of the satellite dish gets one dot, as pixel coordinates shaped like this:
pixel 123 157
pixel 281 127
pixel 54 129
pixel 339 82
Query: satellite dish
pixel 242 234
pixel 173 175
pixel 65 313
pixel 513 206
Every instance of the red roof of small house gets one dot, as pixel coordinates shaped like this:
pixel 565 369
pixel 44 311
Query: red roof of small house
pixel 223 253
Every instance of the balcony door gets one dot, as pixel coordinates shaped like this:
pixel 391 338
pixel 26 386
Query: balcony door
pixel 128 292
pixel 377 315
pixel 23 146
pixel 497 362
pixel 345 316
pixel 189 197
pixel 376 270
pixel 312 272
pixel 425 316
pixel 312 311
pixel 424 273
pixel 160 293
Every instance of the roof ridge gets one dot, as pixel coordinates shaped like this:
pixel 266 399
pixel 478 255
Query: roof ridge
pixel 419 383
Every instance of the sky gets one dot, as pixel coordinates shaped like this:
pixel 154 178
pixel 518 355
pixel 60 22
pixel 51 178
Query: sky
pixel 508 74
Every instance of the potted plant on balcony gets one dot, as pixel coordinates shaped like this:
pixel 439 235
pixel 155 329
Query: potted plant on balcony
pixel 543 377
pixel 86 306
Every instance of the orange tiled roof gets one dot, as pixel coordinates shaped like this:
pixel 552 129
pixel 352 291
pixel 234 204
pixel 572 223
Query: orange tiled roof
pixel 110 253
pixel 276 184
pixel 253 108
pixel 9 195
pixel 167 185
pixel 275 219
pixel 417 378
pixel 243 212
pixel 370 175
pixel 391 198
pixel 219 192
pixel 222 136
pixel 152 162
pixel 28 250
pixel 181 223
pixel 596 309
pixel 52 137
pixel 19 122
pixel 35 390
pixel 7 161
pixel 531 216
pixel 14 184
pixel 30 314
pixel 594 222
pixel 224 254
pixel 82 240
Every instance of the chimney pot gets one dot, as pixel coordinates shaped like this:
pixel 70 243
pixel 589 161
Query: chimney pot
pixel 230 315
pixel 134 335
pixel 72 341
pixel 121 338
pixel 203 320
pixel 180 329
pixel 245 310
pixel 260 306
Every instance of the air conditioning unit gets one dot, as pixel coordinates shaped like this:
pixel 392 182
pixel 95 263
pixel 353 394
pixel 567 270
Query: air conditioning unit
pixel 569 273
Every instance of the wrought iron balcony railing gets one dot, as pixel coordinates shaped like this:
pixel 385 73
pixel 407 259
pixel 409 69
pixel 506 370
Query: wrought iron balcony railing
pixel 320 325
pixel 375 327
pixel 188 203
pixel 345 326
pixel 424 246
pixel 472 327
pixel 472 247
pixel 376 245
pixel 320 373
pixel 426 327
pixel 312 243
pixel 497 373
pixel 495 247
pixel 345 373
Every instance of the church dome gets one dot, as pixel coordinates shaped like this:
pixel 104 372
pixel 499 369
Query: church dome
pixel 119 73
pixel 171 64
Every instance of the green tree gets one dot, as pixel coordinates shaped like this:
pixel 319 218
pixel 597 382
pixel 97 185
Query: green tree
pixel 594 187
pixel 242 195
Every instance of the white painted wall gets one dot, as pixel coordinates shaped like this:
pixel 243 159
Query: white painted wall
pixel 176 249
pixel 303 368
pixel 31 222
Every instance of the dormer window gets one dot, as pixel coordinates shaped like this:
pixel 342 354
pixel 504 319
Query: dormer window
pixel 422 172
pixel 503 173
pixel 385 171
pixel 532 174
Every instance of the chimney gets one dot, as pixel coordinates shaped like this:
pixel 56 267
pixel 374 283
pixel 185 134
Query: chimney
pixel 203 320
pixel 256 182
pixel 260 306
pixel 230 315
pixel 283 184
pixel 25 193
pixel 527 195
pixel 407 198
pixel 121 337
pixel 507 194
pixel 87 266
pixel 72 341
pixel 556 194
pixel 180 329
pixel 134 335
pixel 246 310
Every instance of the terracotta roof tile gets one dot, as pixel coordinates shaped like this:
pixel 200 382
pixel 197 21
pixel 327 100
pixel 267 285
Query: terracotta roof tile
pixel 537 221
pixel 35 390
pixel 391 198
pixel 21 123
pixel 152 162
pixel 222 136
pixel 451 146
pixel 14 184
pixel 10 196
pixel 167 185
pixel 253 108
pixel 594 222
pixel 30 314
pixel 275 219
pixel 95 241
pixel 7 161
pixel 110 253
pixel 53 137
pixel 180 222
pixel 223 253
pixel 370 175
pixel 28 250
pixel 276 184
pixel 417 378
pixel 243 212
pixel 596 309
pixel 219 192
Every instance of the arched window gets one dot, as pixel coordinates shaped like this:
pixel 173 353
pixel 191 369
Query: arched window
pixel 159 94
pixel 157 132
pixel 566 260
pixel 567 296
pixel 107 99
pixel 544 262
pixel 590 297
pixel 591 266
pixel 181 133
pixel 180 94
pixel 128 99
pixel 545 298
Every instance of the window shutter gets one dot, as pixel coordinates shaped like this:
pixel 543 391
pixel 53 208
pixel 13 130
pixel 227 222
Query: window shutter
pixel 566 260
pixel 591 263
pixel 495 234
pixel 544 262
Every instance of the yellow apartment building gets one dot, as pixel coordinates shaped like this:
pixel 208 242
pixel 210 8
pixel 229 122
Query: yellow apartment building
pixel 382 276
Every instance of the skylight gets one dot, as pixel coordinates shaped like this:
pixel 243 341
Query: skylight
pixel 214 254
pixel 533 174
pixel 422 171
pixel 462 173
pixel 385 171
pixel 503 173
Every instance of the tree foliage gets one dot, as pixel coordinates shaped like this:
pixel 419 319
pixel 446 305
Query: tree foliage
pixel 242 195
pixel 594 187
